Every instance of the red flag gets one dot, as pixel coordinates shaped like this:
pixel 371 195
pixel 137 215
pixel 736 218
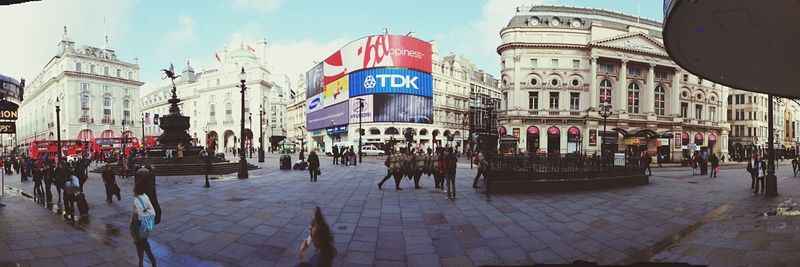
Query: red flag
pixel 251 48
pixel 216 55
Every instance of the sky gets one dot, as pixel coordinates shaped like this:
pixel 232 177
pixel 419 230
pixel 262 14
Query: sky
pixel 298 32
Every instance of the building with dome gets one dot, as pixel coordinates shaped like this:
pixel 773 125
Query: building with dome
pixel 560 65
pixel 212 99
pixel 96 91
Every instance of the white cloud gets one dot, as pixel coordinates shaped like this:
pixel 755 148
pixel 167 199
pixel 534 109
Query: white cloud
pixel 297 57
pixel 33 30
pixel 263 6
pixel 495 15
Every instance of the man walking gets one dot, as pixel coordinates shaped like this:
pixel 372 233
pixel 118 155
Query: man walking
pixel 392 169
pixel 752 166
pixel 419 167
pixel 335 155
pixel 714 161
pixel 451 161
pixel 481 162
pixel 761 172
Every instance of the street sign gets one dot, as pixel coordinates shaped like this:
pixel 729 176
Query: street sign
pixel 7 127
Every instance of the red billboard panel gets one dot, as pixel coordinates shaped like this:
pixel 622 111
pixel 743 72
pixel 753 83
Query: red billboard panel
pixel 378 51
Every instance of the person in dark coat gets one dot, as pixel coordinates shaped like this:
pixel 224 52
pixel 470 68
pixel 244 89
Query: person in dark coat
pixel 313 166
pixel 110 182
pixel 760 170
pixel 714 161
pixel 149 179
pixel 751 168
pixel 450 175
pixel 335 155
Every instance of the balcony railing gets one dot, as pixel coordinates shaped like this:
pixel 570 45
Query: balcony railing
pixel 574 113
pixel 227 122
pixel 108 121
pixel 86 119
pixel 664 118
pixel 637 117
pixel 554 113
pixel 211 123
pixel 533 112
pixel 128 122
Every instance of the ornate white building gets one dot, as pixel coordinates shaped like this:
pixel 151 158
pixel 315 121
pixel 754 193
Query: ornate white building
pixel 560 63
pixel 96 91
pixel 212 99
pixel 296 113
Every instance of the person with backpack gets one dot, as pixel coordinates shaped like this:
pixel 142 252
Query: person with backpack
pixel 419 167
pixel 392 169
pixel 142 222
pixel 145 176
pixel 72 186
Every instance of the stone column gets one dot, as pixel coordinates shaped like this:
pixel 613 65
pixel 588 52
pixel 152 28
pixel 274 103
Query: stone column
pixel 515 97
pixel 622 89
pixel 723 116
pixel 594 94
pixel 674 95
pixel 648 97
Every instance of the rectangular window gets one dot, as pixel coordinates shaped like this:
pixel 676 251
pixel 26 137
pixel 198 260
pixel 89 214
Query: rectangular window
pixel 576 64
pixel 119 73
pixel 533 100
pixel 126 91
pixel 730 115
pixel 77 66
pixel 607 68
pixel 534 63
pixel 634 71
pixel 211 98
pixel 750 99
pixel 228 95
pixel 685 77
pixel 130 75
pixel 107 89
pixel 749 131
pixel 105 71
pixel 92 69
pixel 555 63
pixel 574 101
pixel 84 86
pixel 712 113
pixel 661 75
pixel 554 100
pixel 699 80
pixel 698 112
pixel 685 110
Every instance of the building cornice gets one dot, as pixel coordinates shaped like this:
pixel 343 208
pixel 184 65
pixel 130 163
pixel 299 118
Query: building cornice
pixel 536 45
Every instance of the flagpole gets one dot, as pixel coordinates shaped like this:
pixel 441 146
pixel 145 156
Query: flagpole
pixel 638 10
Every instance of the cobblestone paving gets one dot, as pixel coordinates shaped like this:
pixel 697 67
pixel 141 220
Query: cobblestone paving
pixel 261 221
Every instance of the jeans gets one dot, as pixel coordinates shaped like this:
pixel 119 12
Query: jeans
pixel 397 178
pixel 451 185
pixel 47 184
pixel 760 185
pixel 477 176
pixel 312 174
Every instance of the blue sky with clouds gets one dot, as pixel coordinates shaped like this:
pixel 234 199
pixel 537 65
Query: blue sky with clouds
pixel 297 31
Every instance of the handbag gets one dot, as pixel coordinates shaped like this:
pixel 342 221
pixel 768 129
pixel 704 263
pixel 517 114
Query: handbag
pixel 146 222
pixel 317 171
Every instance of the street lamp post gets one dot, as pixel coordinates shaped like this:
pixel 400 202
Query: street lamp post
pixel 58 128
pixel 242 160
pixel 261 130
pixel 489 128
pixel 463 139
pixel 143 141
pixel 123 138
pixel 605 112
pixel 771 182
pixel 250 118
pixel 360 129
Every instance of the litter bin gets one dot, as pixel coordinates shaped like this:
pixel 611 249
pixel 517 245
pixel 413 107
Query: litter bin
pixel 286 162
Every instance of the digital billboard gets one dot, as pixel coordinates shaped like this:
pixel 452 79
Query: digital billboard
pixel 315 103
pixel 314 80
pixel 402 108
pixel 366 111
pixel 328 117
pixel 391 81
pixel 337 91
pixel 378 51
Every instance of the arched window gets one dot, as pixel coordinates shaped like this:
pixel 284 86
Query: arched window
pixel 633 98
pixel 660 100
pixel 605 91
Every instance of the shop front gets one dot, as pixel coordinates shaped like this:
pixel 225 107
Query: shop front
pixel 553 141
pixel 532 139
pixel 574 140
pixel 635 145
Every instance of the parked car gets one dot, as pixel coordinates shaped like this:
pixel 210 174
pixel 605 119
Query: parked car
pixel 371 151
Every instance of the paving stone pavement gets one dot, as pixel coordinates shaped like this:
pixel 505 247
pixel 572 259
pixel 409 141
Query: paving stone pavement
pixel 261 221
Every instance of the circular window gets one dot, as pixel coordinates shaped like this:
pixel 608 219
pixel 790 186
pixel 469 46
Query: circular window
pixel 575 82
pixel 534 82
pixel 554 82
pixel 699 96
pixel 685 94
pixel 505 82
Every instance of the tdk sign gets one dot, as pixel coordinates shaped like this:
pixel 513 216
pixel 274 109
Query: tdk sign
pixel 390 81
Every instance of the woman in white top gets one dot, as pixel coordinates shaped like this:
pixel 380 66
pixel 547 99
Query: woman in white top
pixel 142 208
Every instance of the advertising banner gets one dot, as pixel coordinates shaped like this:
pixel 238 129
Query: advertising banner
pixel 8 127
pixel 314 81
pixel 314 103
pixel 391 81
pixel 402 108
pixel 378 51
pixel 337 92
pixel 10 87
pixel 8 110
pixel 366 112
pixel 592 137
pixel 328 117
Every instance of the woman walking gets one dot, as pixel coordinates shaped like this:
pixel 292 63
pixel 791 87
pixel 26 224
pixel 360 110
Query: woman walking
pixel 321 238
pixel 142 220
pixel 313 166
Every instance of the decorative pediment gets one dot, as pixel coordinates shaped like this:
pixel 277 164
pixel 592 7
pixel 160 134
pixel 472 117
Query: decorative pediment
pixel 634 42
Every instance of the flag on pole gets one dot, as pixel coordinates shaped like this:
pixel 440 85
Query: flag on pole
pixel 147 118
pixel 251 48
pixel 216 55
pixel 155 119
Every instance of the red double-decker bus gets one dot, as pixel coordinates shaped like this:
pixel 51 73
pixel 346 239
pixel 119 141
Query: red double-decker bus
pixel 151 140
pixel 50 147
pixel 103 144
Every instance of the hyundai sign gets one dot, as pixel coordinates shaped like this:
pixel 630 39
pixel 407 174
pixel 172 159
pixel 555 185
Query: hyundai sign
pixel 391 81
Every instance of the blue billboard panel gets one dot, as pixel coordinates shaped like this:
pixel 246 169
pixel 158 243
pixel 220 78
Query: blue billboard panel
pixel 328 117
pixel 391 81
pixel 402 108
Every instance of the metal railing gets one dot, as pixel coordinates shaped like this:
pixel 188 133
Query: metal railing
pixel 227 122
pixel 108 121
pixel 522 167
pixel 86 119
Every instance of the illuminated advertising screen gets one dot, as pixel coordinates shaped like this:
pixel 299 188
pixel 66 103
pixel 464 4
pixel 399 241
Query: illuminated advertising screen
pixel 328 117
pixel 315 103
pixel 337 91
pixel 378 51
pixel 366 110
pixel 391 81
pixel 402 108
pixel 314 81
